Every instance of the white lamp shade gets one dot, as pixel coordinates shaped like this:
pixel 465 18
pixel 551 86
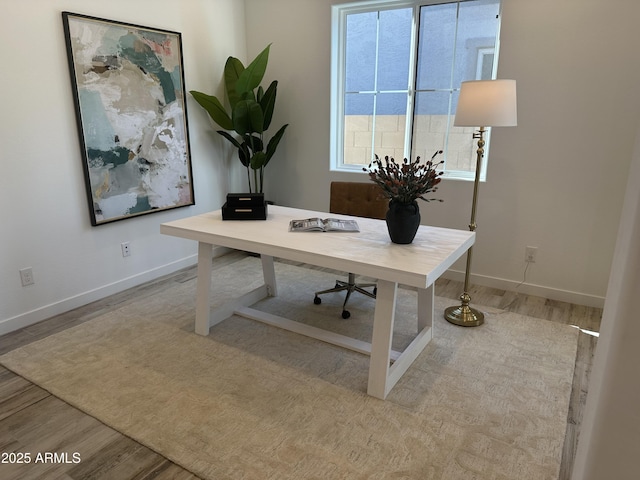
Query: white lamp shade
pixel 487 103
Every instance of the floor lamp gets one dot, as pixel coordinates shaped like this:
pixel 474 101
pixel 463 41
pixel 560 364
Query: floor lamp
pixel 482 103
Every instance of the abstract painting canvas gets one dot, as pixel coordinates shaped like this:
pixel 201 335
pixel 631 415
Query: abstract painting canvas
pixel 129 94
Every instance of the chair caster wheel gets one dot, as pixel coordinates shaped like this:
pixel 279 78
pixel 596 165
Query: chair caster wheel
pixel 346 314
pixel 317 300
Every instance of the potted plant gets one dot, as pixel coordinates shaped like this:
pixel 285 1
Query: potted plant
pixel 250 114
pixel 403 184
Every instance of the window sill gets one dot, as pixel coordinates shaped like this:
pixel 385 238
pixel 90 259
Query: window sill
pixel 450 175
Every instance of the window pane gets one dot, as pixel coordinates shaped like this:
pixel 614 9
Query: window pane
pixel 430 123
pixel 461 149
pixel 456 41
pixel 391 104
pixel 436 46
pixel 366 134
pixel 360 51
pixel 389 125
pixel 461 146
pixel 358 133
pixel 477 28
pixel 358 104
pixel 394 49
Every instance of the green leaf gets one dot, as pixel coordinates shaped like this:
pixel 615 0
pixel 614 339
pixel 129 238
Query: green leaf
pixel 214 108
pixel 229 137
pixel 273 143
pixel 232 70
pixel 258 160
pixel 254 142
pixel 251 77
pixel 244 155
pixel 268 102
pixel 248 96
pixel 247 117
pixel 256 117
pixel 240 118
pixel 243 150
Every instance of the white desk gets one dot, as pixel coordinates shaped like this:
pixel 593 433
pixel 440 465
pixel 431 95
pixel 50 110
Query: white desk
pixel 369 253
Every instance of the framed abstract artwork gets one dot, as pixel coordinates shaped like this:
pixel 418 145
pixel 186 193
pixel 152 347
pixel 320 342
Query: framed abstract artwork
pixel 130 101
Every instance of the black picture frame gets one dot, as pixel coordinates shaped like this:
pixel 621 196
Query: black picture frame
pixel 131 110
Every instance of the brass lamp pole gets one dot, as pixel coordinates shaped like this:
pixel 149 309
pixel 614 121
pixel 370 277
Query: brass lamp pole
pixel 485 103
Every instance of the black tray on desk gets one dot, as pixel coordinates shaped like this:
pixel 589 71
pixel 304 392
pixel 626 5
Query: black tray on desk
pixel 245 206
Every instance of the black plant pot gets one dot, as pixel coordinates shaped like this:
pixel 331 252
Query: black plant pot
pixel 403 220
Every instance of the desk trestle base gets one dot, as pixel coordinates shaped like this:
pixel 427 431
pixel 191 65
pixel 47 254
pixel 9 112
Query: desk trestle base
pixel 386 365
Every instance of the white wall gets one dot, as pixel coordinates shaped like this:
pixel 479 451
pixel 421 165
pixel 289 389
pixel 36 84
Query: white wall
pixel 609 439
pixel 43 212
pixel 555 182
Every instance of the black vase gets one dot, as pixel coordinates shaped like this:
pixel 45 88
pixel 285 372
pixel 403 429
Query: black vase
pixel 403 220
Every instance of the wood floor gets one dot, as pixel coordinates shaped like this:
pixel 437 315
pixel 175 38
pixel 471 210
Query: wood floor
pixel 34 421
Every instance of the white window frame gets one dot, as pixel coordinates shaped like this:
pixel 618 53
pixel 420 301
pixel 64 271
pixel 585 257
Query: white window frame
pixel 339 15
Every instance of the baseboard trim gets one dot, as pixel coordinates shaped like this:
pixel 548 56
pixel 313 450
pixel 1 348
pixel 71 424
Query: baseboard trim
pixel 84 298
pixel 529 289
pixel 48 311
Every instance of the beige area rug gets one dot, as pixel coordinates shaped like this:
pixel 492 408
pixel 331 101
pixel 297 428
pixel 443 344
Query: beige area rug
pixel 255 402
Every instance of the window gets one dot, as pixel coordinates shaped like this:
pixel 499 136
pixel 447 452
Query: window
pixel 396 73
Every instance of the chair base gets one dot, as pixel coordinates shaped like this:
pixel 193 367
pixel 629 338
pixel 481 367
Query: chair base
pixel 350 286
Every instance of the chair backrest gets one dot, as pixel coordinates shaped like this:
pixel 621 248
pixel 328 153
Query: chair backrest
pixel 358 199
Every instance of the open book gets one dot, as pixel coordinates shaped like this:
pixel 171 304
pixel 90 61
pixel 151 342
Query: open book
pixel 323 225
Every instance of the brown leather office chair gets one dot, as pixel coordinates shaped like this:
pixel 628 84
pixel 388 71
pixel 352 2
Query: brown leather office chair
pixel 360 200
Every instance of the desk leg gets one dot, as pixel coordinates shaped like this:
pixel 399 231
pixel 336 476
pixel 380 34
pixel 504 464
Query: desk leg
pixel 383 320
pixel 269 274
pixel 425 307
pixel 203 289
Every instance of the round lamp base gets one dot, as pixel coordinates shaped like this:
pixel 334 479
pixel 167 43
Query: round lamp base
pixel 464 316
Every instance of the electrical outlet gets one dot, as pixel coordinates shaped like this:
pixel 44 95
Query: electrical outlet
pixel 530 254
pixel 26 277
pixel 126 249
